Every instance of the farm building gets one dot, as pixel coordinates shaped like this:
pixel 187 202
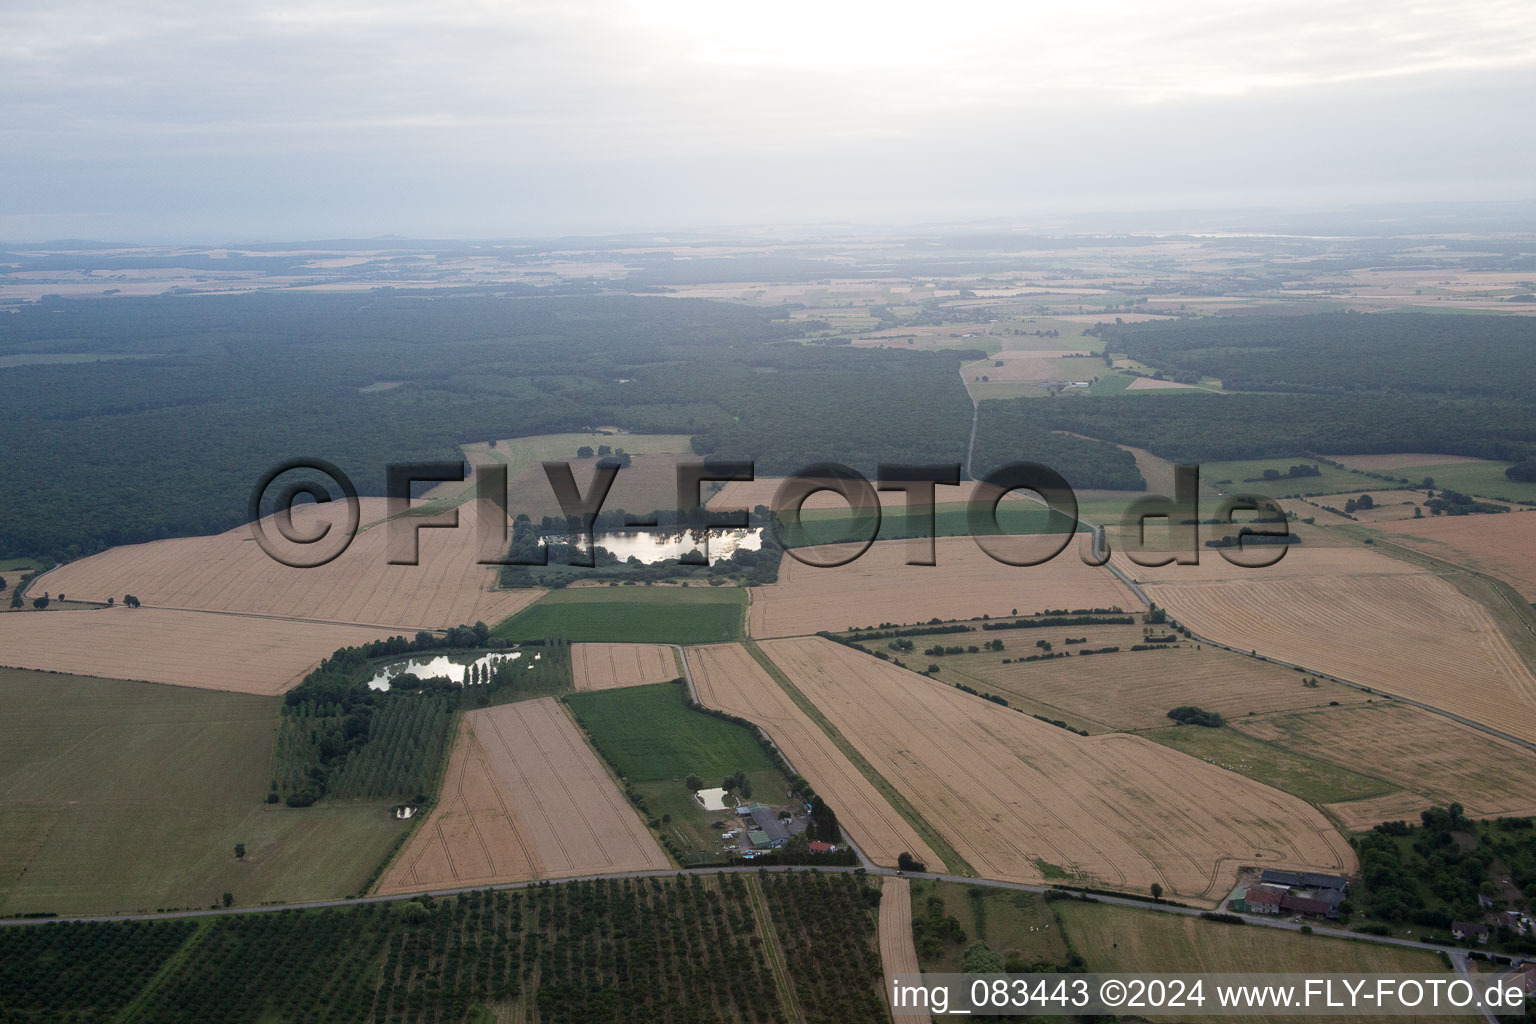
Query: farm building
pixel 1293 892
pixel 1477 931
pixel 819 847
pixel 1303 879
pixel 758 839
pixel 769 824
pixel 1260 899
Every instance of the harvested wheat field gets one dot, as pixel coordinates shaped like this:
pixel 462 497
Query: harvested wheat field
pixel 966 583
pixel 212 652
pixel 1130 690
pixel 1387 506
pixel 1364 617
pixel 1401 460
pixel 1024 801
pixel 524 797
pixel 609 666
pixel 1028 365
pixel 1432 759
pixel 730 680
pixel 898 955
pixel 1503 546
pixel 230 572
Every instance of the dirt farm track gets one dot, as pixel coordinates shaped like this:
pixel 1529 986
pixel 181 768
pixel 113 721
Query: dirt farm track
pixel 1024 801
pixel 524 798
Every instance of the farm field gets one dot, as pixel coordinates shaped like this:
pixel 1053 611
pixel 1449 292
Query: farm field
pixel 1152 384
pixel 524 797
pixel 1360 616
pixel 676 615
pixel 1388 506
pixel 655 741
pixel 1503 546
pixel 729 679
pixel 1429 759
pixel 966 583
pixel 897 954
pixel 1020 926
pixel 1298 772
pixel 1479 477
pixel 1114 938
pixel 1244 477
pixel 1401 461
pixel 608 666
pixel 648 479
pixel 229 572
pixel 1127 690
pixel 123 797
pixel 1023 800
pixel 244 654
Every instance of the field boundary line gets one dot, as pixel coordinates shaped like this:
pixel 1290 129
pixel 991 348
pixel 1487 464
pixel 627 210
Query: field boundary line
pixel 925 830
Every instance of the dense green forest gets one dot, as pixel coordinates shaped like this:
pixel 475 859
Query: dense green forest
pixel 1345 353
pixel 195 397
pixel 1206 427
pixel 1017 430
pixel 1446 868
pixel 684 949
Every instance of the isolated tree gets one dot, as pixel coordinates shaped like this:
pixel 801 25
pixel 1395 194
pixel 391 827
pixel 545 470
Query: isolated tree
pixel 1157 891
pixel 239 851
pixel 3 584
pixel 130 601
pixel 111 601
pixel 694 783
pixel 40 602
pixel 584 452
pixel 229 899
pixel 906 862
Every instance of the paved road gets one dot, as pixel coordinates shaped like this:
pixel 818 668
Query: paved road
pixel 1457 955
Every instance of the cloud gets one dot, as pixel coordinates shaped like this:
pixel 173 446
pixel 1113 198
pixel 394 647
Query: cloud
pixel 427 94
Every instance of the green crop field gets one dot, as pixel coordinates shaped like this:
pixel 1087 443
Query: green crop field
pixel 122 796
pixel 1312 779
pixel 652 735
pixel 950 519
pixel 1244 478
pixel 1483 479
pixel 656 741
pixel 660 615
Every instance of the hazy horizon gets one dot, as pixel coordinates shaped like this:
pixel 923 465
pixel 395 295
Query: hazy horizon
pixel 512 120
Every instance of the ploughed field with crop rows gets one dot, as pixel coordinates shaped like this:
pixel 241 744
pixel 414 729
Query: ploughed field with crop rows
pixel 1361 616
pixel 229 572
pixel 212 652
pixel 965 583
pixel 609 666
pixel 524 797
pixel 730 680
pixel 1025 801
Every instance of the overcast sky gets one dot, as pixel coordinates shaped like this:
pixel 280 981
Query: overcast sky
pixel 287 119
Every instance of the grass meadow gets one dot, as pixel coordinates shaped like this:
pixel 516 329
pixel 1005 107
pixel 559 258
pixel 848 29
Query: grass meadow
pixel 124 796
pixel 659 615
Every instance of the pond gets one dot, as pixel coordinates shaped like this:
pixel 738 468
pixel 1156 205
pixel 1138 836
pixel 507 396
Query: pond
pixel 652 546
pixel 455 666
